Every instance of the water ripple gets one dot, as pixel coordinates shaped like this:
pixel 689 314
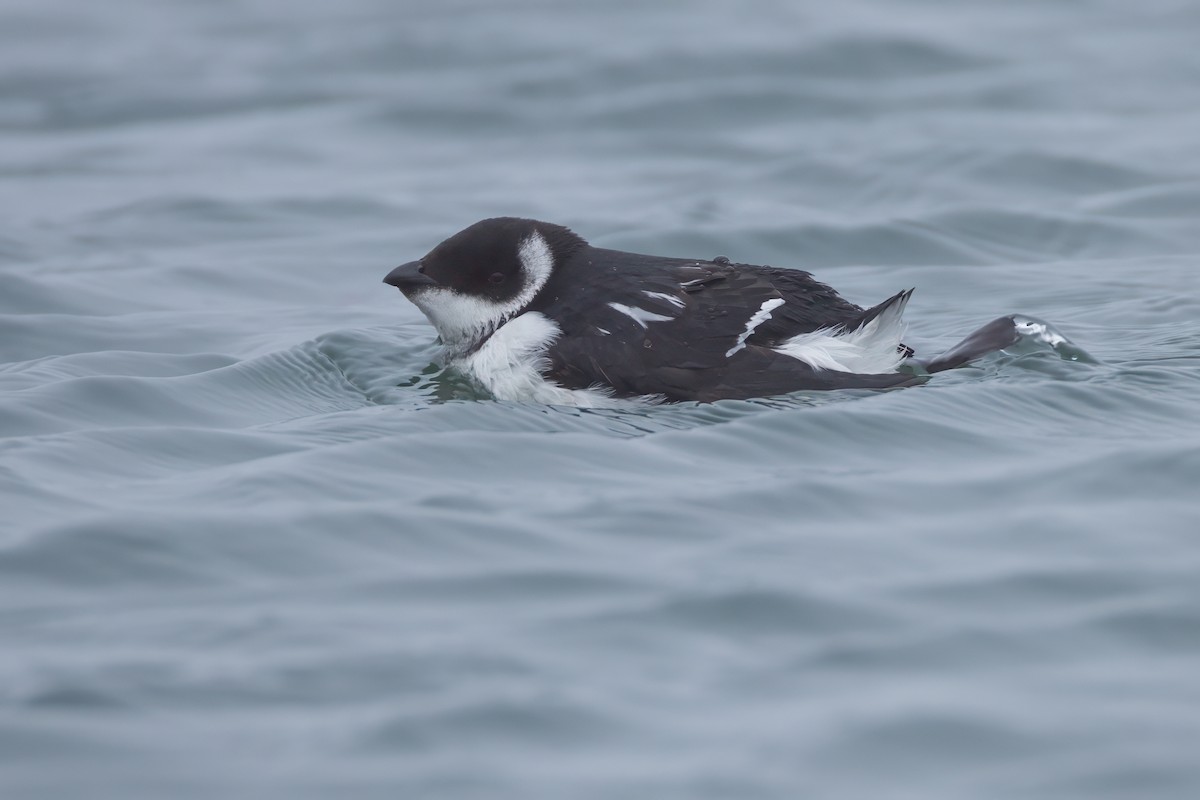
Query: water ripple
pixel 256 541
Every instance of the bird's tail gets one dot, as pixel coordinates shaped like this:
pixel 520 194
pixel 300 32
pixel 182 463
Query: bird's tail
pixel 868 344
pixel 888 312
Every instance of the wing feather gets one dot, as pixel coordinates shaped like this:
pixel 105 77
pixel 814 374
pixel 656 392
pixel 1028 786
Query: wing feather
pixel 694 330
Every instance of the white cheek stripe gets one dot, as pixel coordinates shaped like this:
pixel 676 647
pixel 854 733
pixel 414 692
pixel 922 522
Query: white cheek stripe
pixel 639 315
pixel 538 262
pixel 758 318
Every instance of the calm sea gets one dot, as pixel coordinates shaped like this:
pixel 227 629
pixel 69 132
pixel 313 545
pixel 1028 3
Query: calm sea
pixel 255 543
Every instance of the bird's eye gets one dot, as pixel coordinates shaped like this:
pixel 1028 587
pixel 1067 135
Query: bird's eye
pixel 496 277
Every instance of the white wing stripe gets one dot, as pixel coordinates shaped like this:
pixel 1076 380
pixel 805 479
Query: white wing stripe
pixel 758 318
pixel 639 315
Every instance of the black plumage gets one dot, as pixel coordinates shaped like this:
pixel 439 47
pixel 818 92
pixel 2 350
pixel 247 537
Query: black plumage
pixel 633 324
pixel 687 358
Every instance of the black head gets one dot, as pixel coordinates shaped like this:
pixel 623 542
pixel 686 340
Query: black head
pixel 484 275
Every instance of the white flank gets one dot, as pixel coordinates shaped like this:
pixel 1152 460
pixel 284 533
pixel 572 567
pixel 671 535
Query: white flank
pixel 461 320
pixel 667 298
pixel 869 350
pixel 639 315
pixel 510 364
pixel 758 318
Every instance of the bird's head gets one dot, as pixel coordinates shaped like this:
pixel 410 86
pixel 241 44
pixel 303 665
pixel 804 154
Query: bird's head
pixel 483 276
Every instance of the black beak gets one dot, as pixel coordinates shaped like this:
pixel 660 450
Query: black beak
pixel 409 276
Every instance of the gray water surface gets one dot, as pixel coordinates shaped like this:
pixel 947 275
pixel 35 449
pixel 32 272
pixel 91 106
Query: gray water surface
pixel 255 543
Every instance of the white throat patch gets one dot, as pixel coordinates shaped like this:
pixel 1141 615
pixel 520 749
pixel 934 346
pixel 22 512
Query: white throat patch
pixel 510 366
pixel 463 320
